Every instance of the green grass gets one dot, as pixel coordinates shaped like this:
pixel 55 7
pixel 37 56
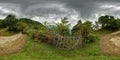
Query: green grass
pixel 42 51
pixel 4 32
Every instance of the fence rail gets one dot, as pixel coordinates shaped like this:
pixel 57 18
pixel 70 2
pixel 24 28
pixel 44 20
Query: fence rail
pixel 68 42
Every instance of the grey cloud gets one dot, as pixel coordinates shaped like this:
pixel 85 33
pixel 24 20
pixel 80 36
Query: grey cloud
pixel 55 9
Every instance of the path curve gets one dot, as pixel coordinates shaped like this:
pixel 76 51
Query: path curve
pixel 12 44
pixel 107 46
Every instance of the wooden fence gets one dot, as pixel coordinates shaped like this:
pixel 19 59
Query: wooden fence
pixel 68 42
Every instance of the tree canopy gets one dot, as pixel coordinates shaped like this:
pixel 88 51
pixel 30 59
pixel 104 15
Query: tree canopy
pixel 109 22
pixel 63 27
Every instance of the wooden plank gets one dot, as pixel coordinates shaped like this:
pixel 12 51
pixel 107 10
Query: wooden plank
pixel 57 43
pixel 77 42
pixel 60 42
pixel 67 42
pixel 73 42
pixel 70 42
pixel 63 42
pixel 81 42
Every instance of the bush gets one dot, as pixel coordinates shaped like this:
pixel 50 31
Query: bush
pixel 109 23
pixel 21 26
pixel 63 27
pixel 49 37
pixel 91 38
pixel 43 36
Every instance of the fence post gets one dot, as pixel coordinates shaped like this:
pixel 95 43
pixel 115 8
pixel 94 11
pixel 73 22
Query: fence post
pixel 64 45
pixel 54 39
pixel 77 42
pixel 82 42
pixel 60 45
pixel 68 42
pixel 57 41
pixel 72 42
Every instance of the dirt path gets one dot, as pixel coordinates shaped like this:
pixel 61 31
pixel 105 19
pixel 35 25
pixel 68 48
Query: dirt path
pixel 11 44
pixel 109 44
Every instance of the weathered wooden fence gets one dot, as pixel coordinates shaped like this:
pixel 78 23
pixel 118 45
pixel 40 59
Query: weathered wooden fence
pixel 68 42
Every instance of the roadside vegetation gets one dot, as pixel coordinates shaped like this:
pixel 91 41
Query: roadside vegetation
pixel 40 38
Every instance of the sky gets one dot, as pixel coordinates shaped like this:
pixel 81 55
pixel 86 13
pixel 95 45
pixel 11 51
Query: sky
pixel 53 10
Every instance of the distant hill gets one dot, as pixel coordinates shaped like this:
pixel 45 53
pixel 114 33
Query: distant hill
pixel 30 22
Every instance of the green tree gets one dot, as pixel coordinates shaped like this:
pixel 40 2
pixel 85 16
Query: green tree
pixel 86 29
pixel 1 25
pixel 10 22
pixel 76 28
pixel 63 27
pixel 109 22
pixel 21 26
pixel 82 28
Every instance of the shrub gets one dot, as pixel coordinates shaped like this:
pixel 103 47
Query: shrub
pixel 91 38
pixel 21 26
pixel 63 27
pixel 109 22
pixel 49 37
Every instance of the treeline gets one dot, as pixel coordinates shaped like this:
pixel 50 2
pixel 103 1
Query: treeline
pixel 18 25
pixel 109 22
pixel 44 31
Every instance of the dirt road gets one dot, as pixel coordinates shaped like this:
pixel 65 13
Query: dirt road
pixel 109 44
pixel 12 44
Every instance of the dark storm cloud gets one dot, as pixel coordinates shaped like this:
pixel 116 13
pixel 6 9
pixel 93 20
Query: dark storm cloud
pixel 53 10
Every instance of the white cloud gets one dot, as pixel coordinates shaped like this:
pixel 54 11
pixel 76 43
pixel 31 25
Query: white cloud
pixel 107 6
pixel 10 8
pixel 55 17
pixel 111 7
pixel 5 10
pixel 2 17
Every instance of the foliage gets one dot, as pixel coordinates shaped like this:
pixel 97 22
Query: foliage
pixel 44 51
pixel 109 22
pixel 76 29
pixel 31 22
pixel 10 22
pixel 63 27
pixel 1 24
pixel 43 36
pixel 91 38
pixel 21 26
pixel 85 30
pixel 82 28
pixel 96 26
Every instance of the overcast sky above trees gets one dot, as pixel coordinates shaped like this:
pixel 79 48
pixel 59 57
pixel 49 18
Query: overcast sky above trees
pixel 53 10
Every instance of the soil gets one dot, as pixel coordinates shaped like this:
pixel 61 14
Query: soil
pixel 110 44
pixel 12 44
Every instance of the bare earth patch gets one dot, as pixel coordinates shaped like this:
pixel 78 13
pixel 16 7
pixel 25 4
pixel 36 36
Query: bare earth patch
pixel 11 44
pixel 110 44
pixel 116 41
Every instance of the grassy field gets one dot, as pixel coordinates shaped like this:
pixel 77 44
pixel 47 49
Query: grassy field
pixel 43 51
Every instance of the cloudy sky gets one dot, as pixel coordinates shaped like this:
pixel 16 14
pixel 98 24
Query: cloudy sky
pixel 53 10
